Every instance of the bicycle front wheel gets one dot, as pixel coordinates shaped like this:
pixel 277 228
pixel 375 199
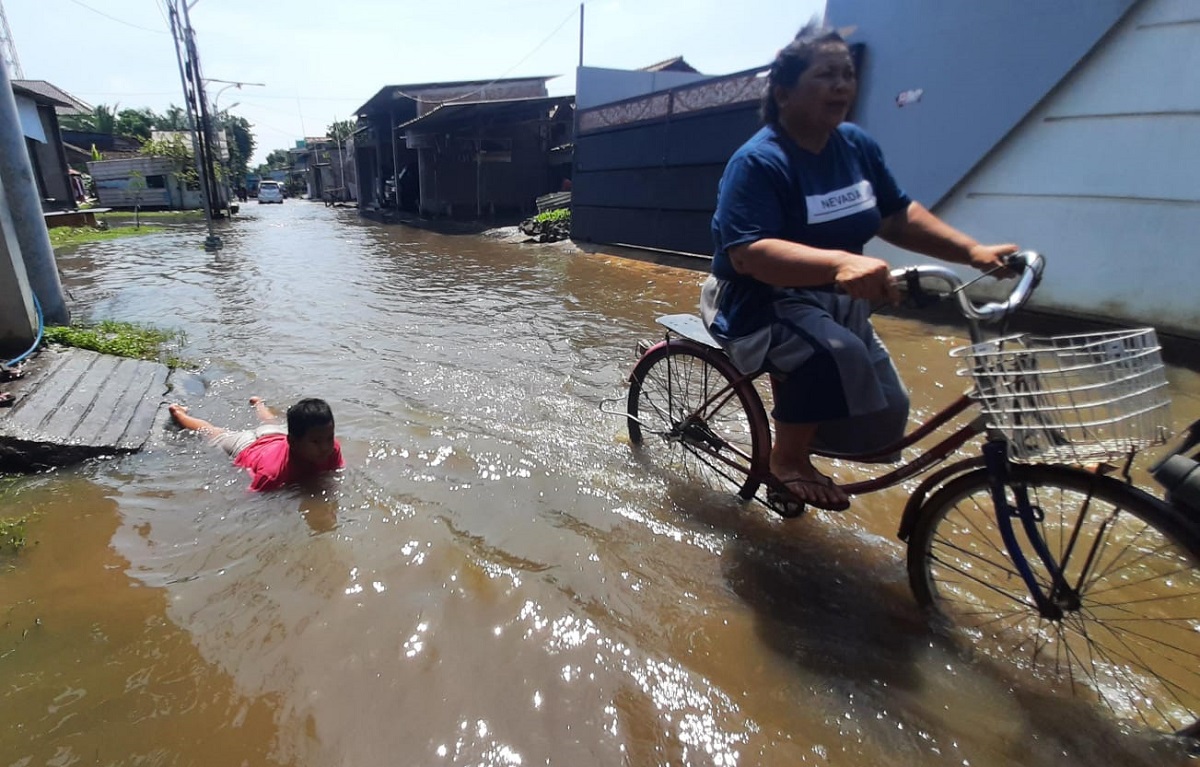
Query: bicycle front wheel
pixel 1124 628
pixel 690 415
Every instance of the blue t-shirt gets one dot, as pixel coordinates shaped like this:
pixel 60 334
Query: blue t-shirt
pixel 772 188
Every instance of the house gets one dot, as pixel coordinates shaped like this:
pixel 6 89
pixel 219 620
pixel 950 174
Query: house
pixel 39 103
pixel 466 149
pixel 167 181
pixel 1068 128
pixel 79 145
pixel 326 168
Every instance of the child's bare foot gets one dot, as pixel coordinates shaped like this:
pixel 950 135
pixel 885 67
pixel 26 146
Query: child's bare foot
pixel 180 415
pixel 264 412
pixel 178 412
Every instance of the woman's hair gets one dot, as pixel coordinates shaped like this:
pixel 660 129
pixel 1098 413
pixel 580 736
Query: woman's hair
pixel 306 414
pixel 792 60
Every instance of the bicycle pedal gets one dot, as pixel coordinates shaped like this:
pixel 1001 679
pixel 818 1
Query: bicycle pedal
pixel 785 505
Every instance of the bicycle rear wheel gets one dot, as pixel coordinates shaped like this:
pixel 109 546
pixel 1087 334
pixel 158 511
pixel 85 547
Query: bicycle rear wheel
pixel 689 417
pixel 1128 634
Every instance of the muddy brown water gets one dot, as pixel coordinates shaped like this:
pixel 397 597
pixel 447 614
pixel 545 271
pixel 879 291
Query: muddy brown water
pixel 494 580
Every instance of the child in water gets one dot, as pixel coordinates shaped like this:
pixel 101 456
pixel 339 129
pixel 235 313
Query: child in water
pixel 276 455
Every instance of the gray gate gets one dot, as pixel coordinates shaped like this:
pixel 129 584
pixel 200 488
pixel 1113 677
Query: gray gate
pixel 646 169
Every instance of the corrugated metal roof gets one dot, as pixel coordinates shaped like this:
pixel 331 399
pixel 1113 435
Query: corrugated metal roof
pixel 385 97
pixel 676 64
pixel 465 111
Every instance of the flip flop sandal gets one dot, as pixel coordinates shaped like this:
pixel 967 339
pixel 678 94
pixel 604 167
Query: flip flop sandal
pixel 12 373
pixel 784 504
pixel 7 399
pixel 789 504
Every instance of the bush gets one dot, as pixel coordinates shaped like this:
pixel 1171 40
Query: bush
pixel 549 225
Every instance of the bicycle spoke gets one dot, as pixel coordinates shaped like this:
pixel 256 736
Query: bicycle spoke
pixel 688 397
pixel 1117 663
pixel 1126 638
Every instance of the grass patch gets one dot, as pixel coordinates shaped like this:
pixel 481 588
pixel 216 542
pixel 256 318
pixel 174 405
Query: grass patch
pixel 171 216
pixel 67 236
pixel 13 534
pixel 121 339
pixel 13 530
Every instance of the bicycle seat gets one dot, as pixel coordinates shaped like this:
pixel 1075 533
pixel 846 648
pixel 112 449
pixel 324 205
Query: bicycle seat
pixel 689 326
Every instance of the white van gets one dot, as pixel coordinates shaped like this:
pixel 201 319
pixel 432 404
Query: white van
pixel 269 191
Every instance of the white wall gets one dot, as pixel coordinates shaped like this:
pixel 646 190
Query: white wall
pixel 596 85
pixel 1104 178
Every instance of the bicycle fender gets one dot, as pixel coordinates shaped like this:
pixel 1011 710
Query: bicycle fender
pixel 912 509
pixel 704 351
pixel 1174 516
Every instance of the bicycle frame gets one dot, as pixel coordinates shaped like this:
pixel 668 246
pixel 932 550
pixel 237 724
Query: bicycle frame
pixel 930 457
pixel 995 458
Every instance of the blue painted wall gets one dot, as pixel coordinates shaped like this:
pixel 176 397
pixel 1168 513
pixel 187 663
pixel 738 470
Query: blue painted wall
pixel 981 65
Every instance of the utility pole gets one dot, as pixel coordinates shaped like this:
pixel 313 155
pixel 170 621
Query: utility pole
pixel 189 76
pixel 18 192
pixel 206 133
pixel 8 47
pixel 581 34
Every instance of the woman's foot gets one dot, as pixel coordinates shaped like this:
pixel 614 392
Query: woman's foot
pixel 810 488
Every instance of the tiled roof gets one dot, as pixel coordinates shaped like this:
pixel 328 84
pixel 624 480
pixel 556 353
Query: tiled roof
pixel 49 93
pixel 676 64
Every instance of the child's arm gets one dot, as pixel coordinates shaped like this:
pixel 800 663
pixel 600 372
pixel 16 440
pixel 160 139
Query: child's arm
pixel 265 414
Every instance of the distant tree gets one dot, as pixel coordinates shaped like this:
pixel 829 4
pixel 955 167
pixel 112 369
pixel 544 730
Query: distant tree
pixel 175 148
pixel 241 143
pixel 135 123
pixel 102 119
pixel 279 159
pixel 175 118
pixel 340 130
pixel 137 188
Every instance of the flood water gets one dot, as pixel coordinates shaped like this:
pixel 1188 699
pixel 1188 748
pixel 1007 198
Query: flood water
pixel 494 579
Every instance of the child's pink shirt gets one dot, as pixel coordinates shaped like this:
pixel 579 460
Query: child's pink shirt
pixel 267 460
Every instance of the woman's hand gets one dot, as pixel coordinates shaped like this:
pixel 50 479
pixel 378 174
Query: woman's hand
pixel 991 258
pixel 866 277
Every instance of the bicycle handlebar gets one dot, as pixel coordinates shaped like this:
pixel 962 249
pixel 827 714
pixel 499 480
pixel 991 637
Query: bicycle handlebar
pixel 1027 263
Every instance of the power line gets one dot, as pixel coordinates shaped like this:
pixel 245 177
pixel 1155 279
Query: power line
pixel 119 21
pixel 502 75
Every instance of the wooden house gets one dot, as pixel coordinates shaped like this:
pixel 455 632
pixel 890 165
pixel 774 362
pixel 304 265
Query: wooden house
pixel 39 103
pixel 462 149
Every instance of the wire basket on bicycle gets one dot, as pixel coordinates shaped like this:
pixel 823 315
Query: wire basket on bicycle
pixel 1072 399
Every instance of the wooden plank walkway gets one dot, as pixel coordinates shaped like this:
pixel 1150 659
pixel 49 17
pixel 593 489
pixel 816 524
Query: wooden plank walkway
pixel 75 404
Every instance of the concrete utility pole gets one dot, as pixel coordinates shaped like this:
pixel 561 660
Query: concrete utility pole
pixel 18 323
pixel 189 75
pixel 8 48
pixel 25 209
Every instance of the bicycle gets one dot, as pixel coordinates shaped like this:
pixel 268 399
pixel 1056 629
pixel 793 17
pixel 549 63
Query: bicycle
pixel 1033 549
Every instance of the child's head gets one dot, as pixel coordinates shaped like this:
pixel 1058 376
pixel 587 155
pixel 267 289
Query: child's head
pixel 310 430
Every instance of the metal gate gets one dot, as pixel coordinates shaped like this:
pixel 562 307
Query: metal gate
pixel 646 169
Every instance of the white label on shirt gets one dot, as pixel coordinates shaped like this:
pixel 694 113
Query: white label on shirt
pixel 840 202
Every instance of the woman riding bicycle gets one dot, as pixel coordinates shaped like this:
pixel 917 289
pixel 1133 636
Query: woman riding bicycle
pixel 790 290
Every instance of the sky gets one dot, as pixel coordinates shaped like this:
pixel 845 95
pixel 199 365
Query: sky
pixel 319 61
